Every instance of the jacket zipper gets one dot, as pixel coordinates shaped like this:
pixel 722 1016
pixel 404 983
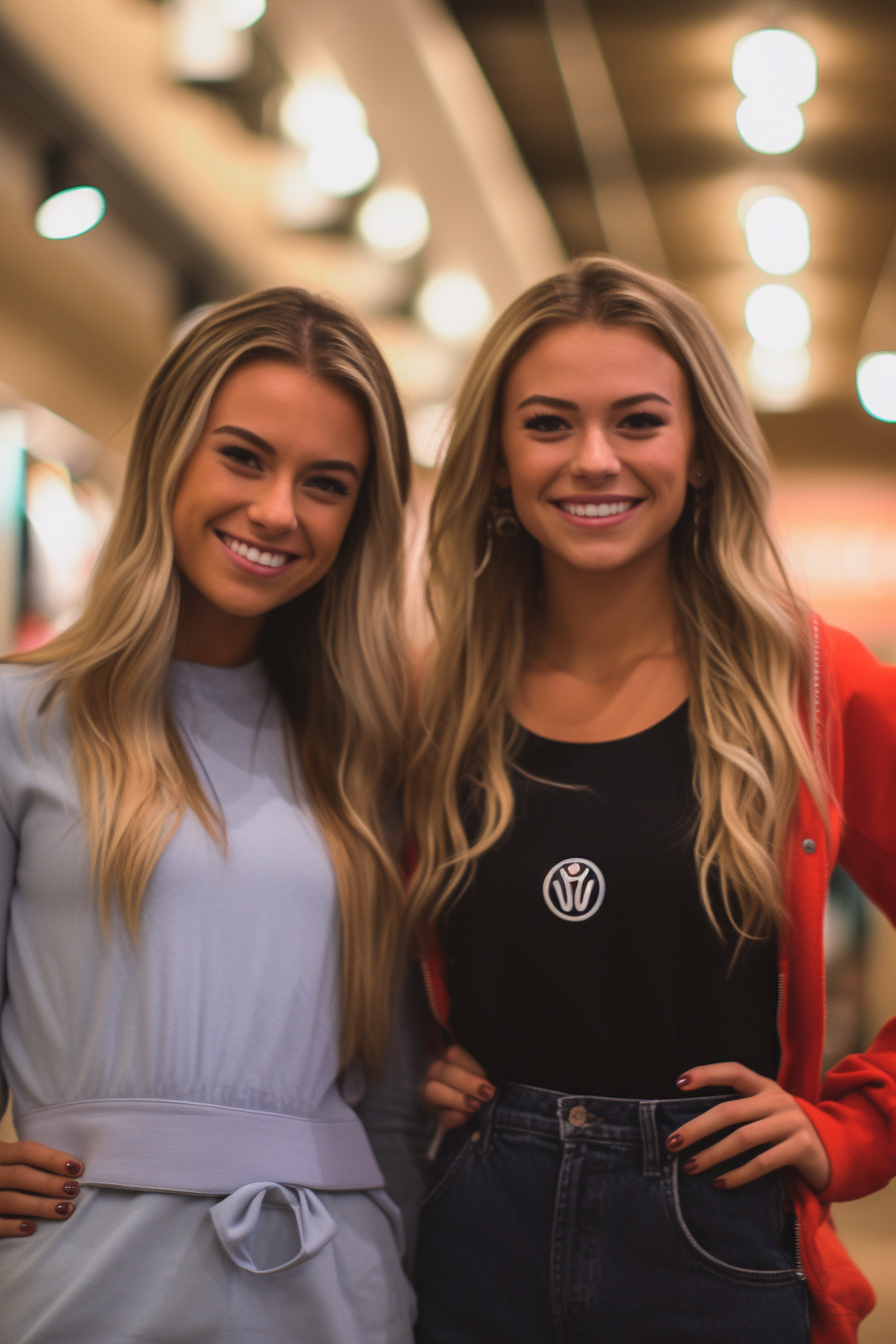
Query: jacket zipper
pixel 800 1272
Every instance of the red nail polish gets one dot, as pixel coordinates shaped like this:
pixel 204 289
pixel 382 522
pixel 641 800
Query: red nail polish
pixel 63 1210
pixel 71 1188
pixel 690 1166
pixel 719 1183
pixel 74 1168
pixel 683 1080
pixel 486 1092
pixel 472 1104
pixel 26 1229
pixel 674 1141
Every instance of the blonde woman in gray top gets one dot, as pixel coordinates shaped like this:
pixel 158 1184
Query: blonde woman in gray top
pixel 199 898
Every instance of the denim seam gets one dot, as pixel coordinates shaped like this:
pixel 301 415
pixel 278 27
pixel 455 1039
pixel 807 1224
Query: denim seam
pixel 649 1138
pixel 557 1244
pixel 767 1276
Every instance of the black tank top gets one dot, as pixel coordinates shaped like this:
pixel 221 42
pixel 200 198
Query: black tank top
pixel 580 957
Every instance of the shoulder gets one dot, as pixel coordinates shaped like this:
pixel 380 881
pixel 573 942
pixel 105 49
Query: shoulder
pixel 850 668
pixel 23 691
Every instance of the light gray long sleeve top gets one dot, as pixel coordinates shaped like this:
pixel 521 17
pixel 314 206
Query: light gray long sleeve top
pixel 203 1056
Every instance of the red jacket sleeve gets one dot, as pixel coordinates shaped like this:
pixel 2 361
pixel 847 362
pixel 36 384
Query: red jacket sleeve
pixel 856 1118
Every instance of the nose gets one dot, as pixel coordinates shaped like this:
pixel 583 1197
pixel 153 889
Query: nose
pixel 594 454
pixel 274 508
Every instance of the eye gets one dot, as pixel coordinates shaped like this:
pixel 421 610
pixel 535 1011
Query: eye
pixel 642 420
pixel 240 456
pixel 546 423
pixel 328 485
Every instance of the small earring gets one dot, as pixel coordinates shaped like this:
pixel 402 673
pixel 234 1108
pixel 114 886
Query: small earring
pixel 503 517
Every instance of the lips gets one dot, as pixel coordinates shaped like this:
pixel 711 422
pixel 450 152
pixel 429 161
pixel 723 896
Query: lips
pixel 596 511
pixel 257 559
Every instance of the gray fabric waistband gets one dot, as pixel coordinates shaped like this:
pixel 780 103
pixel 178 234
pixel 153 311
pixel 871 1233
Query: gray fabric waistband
pixel 190 1148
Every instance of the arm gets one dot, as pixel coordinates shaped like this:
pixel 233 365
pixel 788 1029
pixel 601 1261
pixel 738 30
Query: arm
pixel 35 1182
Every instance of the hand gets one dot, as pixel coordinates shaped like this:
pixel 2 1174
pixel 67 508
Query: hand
pixel 35 1182
pixel 765 1114
pixel 455 1087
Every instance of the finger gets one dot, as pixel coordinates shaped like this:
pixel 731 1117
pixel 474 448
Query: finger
pixel 738 1111
pixel 10 1227
pixel 771 1129
pixel 731 1074
pixel 470 1084
pixel 782 1155
pixel 438 1096
pixel 451 1119
pixel 13 1204
pixel 37 1182
pixel 26 1153
pixel 456 1054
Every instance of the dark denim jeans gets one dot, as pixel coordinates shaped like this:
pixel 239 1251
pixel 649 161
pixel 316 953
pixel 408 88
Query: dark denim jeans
pixel 556 1219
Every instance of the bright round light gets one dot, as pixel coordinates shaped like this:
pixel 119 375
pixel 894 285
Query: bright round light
pixel 296 202
pixel 876 383
pixel 343 165
pixel 70 213
pixel 777 317
pixel 318 109
pixel 775 64
pixel 777 231
pixel 394 222
pixel 454 305
pixel 239 14
pixel 770 128
pixel 784 369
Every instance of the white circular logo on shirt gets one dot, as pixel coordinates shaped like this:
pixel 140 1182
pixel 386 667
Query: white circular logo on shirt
pixel 574 889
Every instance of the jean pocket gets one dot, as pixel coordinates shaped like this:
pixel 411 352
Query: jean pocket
pixel 744 1233
pixel 454 1151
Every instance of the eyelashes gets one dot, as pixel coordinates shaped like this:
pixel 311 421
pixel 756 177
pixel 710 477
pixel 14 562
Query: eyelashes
pixel 555 424
pixel 246 458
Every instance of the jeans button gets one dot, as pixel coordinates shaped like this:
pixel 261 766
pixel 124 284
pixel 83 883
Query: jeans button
pixel 578 1116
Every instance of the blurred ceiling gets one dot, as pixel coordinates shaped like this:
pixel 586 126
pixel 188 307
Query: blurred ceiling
pixel 669 67
pixel 533 129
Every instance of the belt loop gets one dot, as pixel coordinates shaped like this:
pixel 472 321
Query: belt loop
pixel 650 1140
pixel 484 1122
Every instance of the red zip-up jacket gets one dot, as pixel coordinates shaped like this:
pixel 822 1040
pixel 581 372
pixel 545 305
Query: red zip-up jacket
pixel 852 717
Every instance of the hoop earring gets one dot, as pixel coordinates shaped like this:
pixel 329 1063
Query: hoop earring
pixel 503 517
pixel 487 555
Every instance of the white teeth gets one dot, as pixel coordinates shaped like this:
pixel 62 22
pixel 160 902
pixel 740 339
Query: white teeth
pixel 598 510
pixel 271 559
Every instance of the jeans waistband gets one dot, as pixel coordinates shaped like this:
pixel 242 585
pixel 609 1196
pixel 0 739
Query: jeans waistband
pixel 592 1120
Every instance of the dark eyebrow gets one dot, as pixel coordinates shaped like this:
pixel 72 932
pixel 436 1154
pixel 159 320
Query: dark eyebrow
pixel 573 406
pixel 325 464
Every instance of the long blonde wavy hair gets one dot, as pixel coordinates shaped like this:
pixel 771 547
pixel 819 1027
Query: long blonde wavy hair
pixel 334 654
pixel 746 637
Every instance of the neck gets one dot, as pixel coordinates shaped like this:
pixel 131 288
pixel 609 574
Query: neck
pixel 206 634
pixel 595 624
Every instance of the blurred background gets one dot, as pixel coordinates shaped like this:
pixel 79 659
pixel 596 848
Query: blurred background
pixel 425 161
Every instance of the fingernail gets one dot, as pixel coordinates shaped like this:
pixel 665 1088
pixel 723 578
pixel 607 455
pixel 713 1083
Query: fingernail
pixel 674 1141
pixel 486 1091
pixel 472 1104
pixel 27 1228
pixel 683 1080
pixel 719 1183
pixel 690 1166
pixel 63 1210
pixel 74 1168
pixel 71 1188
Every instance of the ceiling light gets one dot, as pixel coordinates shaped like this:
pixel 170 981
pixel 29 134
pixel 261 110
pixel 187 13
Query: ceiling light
pixel 200 42
pixel 454 306
pixel 876 383
pixel 296 202
pixel 781 368
pixel 394 222
pixel 777 232
pixel 778 317
pixel 343 164
pixel 316 109
pixel 776 66
pixel 239 14
pixel 770 128
pixel 70 213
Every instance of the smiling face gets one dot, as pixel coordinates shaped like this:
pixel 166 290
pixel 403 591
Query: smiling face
pixel 597 444
pixel 264 501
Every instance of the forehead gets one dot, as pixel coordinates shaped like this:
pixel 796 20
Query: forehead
pixel 581 360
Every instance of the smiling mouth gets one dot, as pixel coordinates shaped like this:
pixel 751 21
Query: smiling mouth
pixel 602 510
pixel 264 557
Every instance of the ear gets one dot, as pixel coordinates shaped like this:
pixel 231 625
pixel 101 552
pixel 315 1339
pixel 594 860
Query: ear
pixel 501 477
pixel 697 473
